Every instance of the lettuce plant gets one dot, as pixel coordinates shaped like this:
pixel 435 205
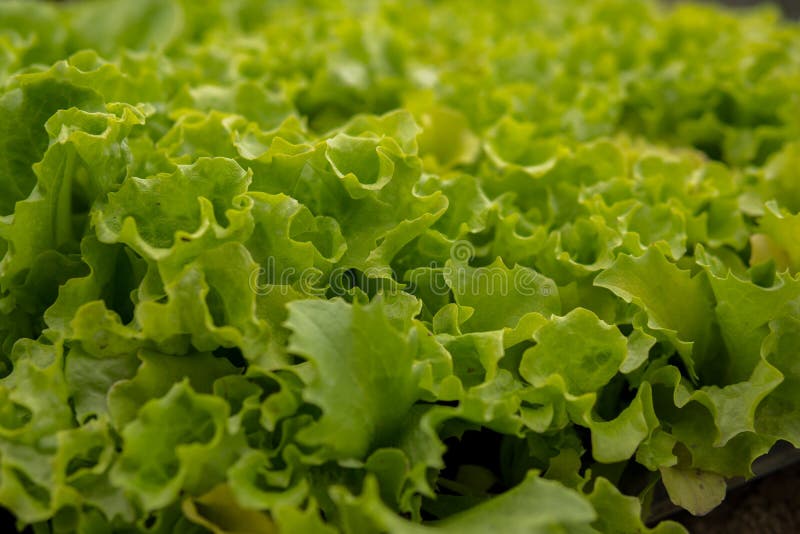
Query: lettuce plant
pixel 410 267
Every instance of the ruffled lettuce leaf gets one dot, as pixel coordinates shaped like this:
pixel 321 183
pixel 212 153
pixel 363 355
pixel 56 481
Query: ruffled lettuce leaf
pixel 339 268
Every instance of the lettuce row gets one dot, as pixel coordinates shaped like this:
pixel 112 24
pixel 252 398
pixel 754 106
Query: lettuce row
pixel 266 271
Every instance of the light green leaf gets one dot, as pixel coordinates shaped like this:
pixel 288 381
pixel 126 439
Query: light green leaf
pixel 580 348
pixel 363 378
pixel 696 491
pixel 500 296
pixel 536 505
pixel 677 304
pixel 191 457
